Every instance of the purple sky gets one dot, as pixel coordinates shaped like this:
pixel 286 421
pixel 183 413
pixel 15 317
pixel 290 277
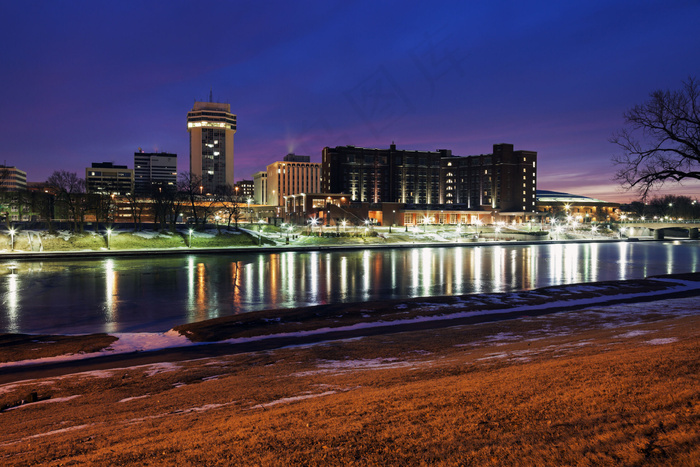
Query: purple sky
pixel 86 81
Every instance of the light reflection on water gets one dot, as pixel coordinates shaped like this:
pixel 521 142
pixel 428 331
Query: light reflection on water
pixel 154 294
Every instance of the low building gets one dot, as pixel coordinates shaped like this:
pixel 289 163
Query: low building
pixel 105 177
pixel 555 204
pixel 245 189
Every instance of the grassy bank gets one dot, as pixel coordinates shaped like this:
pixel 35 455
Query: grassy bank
pixel 578 388
pixel 127 240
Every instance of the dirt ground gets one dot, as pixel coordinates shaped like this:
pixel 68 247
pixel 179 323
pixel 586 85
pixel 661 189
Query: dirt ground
pixel 601 386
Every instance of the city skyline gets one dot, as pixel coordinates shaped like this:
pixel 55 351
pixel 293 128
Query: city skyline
pixel 83 85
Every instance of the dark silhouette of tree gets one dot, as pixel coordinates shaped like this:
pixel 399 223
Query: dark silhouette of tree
pixel 70 196
pixel 137 206
pixel 661 141
pixel 190 186
pixel 42 203
pixel 229 199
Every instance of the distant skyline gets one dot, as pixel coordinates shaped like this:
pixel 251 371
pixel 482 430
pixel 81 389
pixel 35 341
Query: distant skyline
pixel 86 82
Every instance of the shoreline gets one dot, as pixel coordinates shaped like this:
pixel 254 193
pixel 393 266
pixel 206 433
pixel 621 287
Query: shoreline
pixel 36 255
pixel 259 331
pixel 608 385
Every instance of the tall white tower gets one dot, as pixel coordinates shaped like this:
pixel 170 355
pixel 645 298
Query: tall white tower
pixel 211 126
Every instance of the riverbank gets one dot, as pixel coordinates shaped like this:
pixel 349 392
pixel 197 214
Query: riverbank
pixel 129 244
pixel 25 355
pixel 598 385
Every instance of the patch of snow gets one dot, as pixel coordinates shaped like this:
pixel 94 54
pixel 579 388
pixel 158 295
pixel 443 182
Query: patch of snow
pixel 661 341
pixel 158 368
pixel 49 433
pixel 633 334
pixel 45 401
pixel 494 356
pixel 128 399
pixel 212 378
pixel 126 343
pixel 149 234
pixel 286 400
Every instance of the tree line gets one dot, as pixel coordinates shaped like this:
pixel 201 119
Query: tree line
pixel 65 197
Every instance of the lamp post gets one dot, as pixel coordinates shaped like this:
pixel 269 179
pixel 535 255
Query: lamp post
pixel 260 223
pixel 497 230
pixel 250 214
pixel 190 244
pixel 12 239
pixel 109 235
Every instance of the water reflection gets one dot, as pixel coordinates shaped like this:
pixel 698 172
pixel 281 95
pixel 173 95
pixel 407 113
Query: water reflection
pixel 111 292
pixel 155 294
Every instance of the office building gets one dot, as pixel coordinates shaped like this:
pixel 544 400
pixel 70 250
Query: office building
pixel 260 187
pixel 293 175
pixel 159 169
pixel 107 178
pixel 245 189
pixel 12 179
pixel 211 126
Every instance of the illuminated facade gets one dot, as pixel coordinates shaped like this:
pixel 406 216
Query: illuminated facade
pixel 260 187
pixel 12 179
pixel 505 180
pixel 211 126
pixel 554 204
pixel 108 178
pixel 245 189
pixel 154 168
pixel 294 175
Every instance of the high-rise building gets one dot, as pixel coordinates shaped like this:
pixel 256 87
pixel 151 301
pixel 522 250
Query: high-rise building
pixel 159 168
pixel 294 175
pixel 505 180
pixel 12 179
pixel 211 126
pixel 107 178
pixel 260 187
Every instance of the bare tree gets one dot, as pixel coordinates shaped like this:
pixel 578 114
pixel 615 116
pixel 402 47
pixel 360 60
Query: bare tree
pixel 43 204
pixel 662 140
pixel 137 207
pixel 190 186
pixel 231 202
pixel 70 195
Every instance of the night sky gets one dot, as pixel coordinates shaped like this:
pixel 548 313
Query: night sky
pixel 86 81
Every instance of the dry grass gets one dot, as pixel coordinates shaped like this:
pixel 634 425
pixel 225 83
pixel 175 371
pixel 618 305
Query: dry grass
pixel 519 392
pixel 15 347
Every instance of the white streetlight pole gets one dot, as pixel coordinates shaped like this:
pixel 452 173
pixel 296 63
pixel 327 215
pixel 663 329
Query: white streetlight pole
pixel 12 239
pixel 190 245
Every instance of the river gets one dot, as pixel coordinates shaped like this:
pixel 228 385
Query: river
pixel 155 293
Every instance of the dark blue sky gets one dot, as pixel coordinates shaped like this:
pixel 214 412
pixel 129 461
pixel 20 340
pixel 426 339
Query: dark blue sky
pixel 86 81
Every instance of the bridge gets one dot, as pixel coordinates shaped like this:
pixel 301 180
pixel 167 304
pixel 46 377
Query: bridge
pixel 659 226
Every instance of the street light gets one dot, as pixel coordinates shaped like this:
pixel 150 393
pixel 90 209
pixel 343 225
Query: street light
pixel 250 200
pixel 498 230
pixel 109 235
pixel 260 223
pixel 190 245
pixel 12 239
